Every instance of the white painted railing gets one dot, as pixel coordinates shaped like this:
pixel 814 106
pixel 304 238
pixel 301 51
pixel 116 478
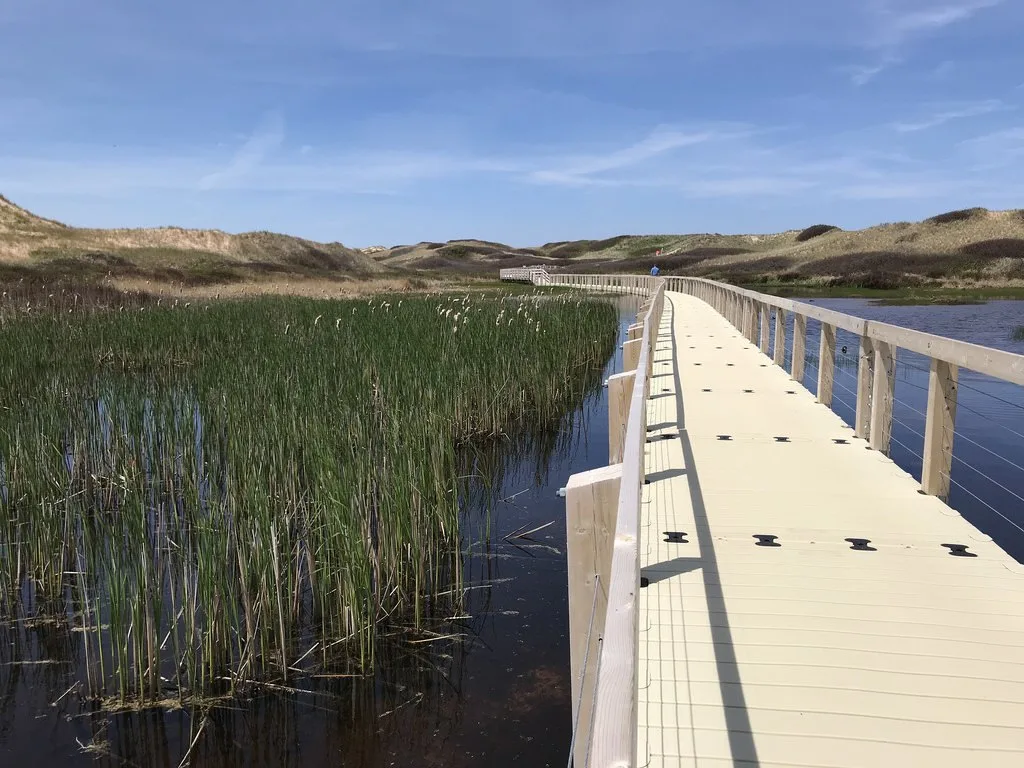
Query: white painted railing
pixel 751 313
pixel 603 537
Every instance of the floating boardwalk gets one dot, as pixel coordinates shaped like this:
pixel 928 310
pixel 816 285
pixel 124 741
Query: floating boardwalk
pixel 754 582
pixel 800 602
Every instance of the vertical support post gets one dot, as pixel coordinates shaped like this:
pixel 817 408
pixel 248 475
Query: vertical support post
pixel 799 347
pixel 883 393
pixel 865 362
pixel 620 391
pixel 780 337
pixel 943 383
pixel 764 328
pixel 826 364
pixel 631 354
pixel 591 508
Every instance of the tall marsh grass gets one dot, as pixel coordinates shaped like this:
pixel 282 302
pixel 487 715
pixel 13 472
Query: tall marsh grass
pixel 215 496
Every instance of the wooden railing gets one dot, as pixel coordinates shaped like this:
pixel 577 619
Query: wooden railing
pixel 750 313
pixel 638 284
pixel 603 537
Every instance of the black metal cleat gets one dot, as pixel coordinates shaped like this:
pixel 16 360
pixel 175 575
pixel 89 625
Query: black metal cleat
pixel 766 540
pixel 959 550
pixel 861 545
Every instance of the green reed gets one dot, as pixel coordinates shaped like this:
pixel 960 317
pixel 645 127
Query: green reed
pixel 250 490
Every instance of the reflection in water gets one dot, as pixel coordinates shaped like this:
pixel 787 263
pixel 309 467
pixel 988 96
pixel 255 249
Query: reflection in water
pixel 491 686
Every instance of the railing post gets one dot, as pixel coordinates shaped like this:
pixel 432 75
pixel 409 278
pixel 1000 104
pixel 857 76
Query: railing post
pixel 826 364
pixel 620 392
pixel 631 354
pixel 882 395
pixel 799 346
pixel 591 507
pixel 780 337
pixel 943 383
pixel 751 330
pixel 865 362
pixel 764 327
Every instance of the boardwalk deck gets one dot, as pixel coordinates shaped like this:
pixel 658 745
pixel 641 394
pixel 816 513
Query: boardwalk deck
pixel 811 653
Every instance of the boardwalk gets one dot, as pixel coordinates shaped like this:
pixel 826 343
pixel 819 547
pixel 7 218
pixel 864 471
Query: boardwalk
pixel 817 652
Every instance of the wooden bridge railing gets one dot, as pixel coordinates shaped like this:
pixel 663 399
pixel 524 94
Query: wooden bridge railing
pixel 751 312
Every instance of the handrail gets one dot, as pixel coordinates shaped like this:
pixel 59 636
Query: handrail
pixel 615 712
pixel 1006 366
pixel 879 343
pixel 605 727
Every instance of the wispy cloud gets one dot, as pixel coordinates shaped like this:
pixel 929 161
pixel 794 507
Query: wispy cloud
pixel 897 190
pixel 895 26
pixel 264 140
pixel 862 74
pixel 898 26
pixel 586 170
pixel 953 113
pixel 996 151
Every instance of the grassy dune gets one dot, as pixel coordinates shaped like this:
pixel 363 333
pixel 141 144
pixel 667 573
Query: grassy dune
pixel 972 249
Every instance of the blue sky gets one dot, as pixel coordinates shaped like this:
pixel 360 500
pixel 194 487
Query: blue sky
pixel 393 122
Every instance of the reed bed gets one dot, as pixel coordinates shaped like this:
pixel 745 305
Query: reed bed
pixel 218 496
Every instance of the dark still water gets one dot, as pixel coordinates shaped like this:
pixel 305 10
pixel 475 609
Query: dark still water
pixel 987 479
pixel 492 690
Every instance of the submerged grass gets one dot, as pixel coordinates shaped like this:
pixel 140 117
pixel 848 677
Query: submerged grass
pixel 224 495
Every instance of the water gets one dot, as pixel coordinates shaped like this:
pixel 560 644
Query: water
pixel 497 693
pixel 988 468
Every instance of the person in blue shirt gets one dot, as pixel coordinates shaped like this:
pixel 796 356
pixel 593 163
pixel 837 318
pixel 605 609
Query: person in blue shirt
pixel 655 271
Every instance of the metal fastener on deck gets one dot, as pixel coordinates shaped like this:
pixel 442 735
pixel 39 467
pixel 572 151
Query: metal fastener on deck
pixel 959 550
pixel 861 545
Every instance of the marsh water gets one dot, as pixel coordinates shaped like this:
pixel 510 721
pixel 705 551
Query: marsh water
pixel 495 691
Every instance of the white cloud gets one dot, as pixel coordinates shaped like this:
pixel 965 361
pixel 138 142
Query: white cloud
pixel 895 25
pixel 954 113
pixel 585 170
pixel 863 74
pixel 897 190
pixel 264 140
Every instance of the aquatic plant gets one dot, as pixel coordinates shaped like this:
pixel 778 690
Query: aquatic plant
pixel 251 490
